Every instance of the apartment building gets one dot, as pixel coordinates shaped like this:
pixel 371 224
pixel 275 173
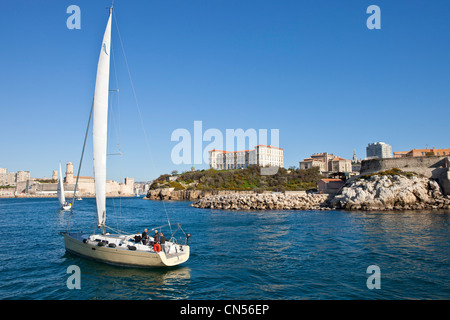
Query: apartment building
pixel 378 150
pixel 262 155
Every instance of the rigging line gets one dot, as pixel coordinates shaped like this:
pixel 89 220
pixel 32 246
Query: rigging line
pixel 110 124
pixel 117 130
pixel 81 161
pixel 140 113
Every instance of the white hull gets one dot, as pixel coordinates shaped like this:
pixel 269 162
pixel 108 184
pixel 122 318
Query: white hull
pixel 143 256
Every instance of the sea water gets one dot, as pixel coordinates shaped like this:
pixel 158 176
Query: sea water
pixel 234 254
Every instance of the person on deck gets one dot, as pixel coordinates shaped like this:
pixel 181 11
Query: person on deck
pixel 156 237
pixel 144 236
pixel 162 241
pixel 137 238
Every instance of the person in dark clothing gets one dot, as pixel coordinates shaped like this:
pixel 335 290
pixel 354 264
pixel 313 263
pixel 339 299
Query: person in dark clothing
pixel 144 237
pixel 137 238
pixel 162 241
pixel 156 237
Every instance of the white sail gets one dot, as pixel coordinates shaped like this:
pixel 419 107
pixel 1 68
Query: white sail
pixel 100 122
pixel 61 197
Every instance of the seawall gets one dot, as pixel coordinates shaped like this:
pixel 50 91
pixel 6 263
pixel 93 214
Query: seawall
pixel 432 167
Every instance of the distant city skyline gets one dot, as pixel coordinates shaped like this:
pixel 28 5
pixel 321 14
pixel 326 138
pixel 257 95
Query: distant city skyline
pixel 311 69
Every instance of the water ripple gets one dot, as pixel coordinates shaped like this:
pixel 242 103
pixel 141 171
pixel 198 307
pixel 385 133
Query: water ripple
pixel 234 255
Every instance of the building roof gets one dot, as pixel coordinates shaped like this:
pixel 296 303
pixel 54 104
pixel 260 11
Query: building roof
pixel 312 160
pixel 263 145
pixel 422 150
pixel 259 145
pixel 223 151
pixel 428 150
pixel 330 180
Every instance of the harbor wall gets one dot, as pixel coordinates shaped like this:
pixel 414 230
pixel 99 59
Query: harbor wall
pixel 432 167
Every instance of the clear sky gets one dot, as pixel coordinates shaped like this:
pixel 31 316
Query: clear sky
pixel 311 69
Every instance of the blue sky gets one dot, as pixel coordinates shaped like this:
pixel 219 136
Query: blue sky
pixel 311 69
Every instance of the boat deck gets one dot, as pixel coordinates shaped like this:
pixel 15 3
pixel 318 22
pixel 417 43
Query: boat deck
pixel 125 242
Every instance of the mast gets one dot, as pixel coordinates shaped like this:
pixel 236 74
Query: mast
pixel 100 123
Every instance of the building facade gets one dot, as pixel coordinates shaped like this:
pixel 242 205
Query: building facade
pixel 326 162
pixel 379 150
pixel 310 162
pixel 262 155
pixel 22 176
pixel 330 185
pixel 10 178
pixel 422 153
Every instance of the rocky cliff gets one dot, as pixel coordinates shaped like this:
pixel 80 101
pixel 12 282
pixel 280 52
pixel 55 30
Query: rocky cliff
pixel 391 192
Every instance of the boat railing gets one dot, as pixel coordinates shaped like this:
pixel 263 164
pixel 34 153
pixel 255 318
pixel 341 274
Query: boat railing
pixel 172 237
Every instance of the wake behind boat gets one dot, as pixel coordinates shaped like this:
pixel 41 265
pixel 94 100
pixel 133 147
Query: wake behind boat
pixel 118 249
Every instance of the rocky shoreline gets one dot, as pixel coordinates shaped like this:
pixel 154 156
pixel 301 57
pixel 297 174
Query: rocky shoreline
pixel 265 201
pixel 391 192
pixel 188 195
pixel 374 192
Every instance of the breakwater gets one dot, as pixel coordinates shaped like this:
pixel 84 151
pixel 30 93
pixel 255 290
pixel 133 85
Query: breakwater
pixel 265 201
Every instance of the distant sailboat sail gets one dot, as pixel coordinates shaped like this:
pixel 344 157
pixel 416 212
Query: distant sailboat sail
pixel 100 122
pixel 61 197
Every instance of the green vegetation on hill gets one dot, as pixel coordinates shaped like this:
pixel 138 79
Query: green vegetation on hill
pixel 46 180
pixel 391 172
pixel 241 179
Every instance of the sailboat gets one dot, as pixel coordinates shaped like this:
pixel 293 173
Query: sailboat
pixel 60 190
pixel 118 249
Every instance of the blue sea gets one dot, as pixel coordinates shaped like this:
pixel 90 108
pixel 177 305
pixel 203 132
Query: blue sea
pixel 257 255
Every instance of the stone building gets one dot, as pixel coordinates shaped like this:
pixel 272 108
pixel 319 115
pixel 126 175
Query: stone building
pixel 22 176
pixel 422 153
pixel 326 162
pixel 330 185
pixel 262 155
pixel 8 178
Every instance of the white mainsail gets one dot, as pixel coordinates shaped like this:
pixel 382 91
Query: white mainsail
pixel 61 197
pixel 100 122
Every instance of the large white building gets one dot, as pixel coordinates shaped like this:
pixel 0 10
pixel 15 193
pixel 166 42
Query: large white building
pixel 378 150
pixel 262 155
